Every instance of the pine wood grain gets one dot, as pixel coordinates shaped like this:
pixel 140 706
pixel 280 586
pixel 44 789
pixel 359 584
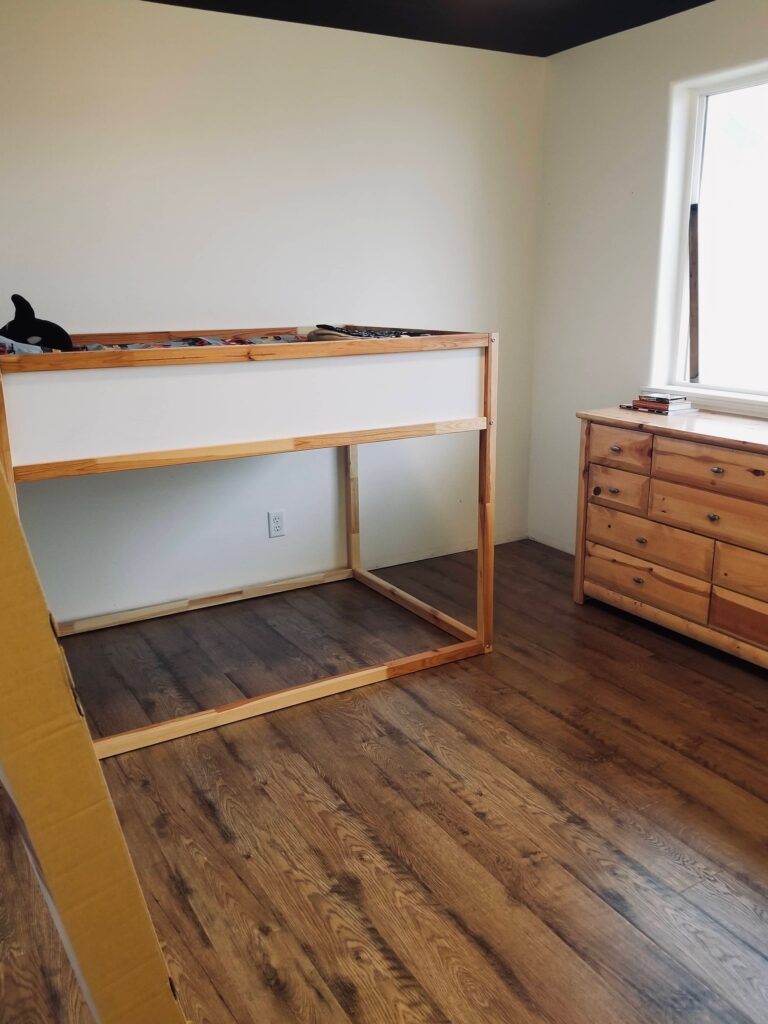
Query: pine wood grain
pixel 621 448
pixel 741 570
pixel 204 601
pixel 100 360
pixel 742 474
pixel 241 450
pixel 707 486
pixel 745 433
pixel 486 497
pixel 716 637
pixel 644 581
pixel 740 616
pixel 715 515
pixel 663 545
pixel 617 488
pixel 581 512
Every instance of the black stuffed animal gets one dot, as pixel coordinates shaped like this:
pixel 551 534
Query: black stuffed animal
pixel 27 329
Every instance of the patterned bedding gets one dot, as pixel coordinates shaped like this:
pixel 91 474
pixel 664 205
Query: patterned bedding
pixel 15 348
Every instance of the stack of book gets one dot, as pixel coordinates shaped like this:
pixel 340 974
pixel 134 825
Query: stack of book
pixel 660 402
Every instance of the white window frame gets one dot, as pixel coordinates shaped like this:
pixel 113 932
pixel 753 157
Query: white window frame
pixel 684 166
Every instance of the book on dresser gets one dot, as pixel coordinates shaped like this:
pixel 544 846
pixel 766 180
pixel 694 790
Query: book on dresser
pixel 663 403
pixel 672 523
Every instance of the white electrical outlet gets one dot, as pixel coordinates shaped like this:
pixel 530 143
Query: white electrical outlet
pixel 276 523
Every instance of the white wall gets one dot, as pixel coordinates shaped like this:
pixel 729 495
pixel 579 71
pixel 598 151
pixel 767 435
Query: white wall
pixel 606 145
pixel 170 168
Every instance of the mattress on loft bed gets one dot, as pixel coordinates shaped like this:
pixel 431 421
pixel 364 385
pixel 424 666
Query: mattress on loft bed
pixel 15 348
pixel 323 332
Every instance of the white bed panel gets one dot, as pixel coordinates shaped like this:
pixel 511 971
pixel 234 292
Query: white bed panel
pixel 72 414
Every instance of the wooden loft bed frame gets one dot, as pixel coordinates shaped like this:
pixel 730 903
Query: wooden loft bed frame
pixel 16 468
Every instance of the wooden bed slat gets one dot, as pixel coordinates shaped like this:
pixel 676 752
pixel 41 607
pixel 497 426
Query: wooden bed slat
pixel 243 450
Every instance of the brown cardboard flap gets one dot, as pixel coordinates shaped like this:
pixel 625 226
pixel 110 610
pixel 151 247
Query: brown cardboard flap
pixel 49 767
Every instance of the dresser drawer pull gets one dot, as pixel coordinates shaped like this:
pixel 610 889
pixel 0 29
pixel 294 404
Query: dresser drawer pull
pixel 616 449
pixel 614 490
pixel 638 579
pixel 641 540
pixel 713 517
pixel 718 470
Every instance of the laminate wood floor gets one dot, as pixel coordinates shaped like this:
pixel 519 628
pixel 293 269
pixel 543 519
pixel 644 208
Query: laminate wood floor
pixel 572 830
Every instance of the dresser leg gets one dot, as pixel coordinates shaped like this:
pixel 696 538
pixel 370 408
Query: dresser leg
pixel 581 515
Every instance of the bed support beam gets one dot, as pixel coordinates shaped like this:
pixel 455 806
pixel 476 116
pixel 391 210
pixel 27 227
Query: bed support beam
pixel 425 611
pixel 240 450
pixel 188 725
pixel 155 611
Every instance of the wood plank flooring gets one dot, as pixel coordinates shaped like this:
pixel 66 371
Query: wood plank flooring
pixel 572 830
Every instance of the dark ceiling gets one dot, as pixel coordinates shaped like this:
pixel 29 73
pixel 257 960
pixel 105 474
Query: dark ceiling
pixel 538 27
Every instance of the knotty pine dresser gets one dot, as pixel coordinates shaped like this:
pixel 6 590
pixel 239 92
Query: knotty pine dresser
pixel 673 523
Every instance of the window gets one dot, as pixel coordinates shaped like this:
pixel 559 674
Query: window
pixel 728 244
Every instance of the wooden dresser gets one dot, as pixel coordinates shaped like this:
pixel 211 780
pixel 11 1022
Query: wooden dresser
pixel 673 523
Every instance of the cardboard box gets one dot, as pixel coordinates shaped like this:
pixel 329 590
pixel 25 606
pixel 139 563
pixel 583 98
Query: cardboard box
pixel 50 770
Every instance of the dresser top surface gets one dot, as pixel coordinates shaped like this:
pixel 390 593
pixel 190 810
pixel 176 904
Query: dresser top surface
pixel 713 428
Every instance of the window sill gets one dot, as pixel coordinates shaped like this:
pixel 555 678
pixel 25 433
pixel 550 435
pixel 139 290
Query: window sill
pixel 715 400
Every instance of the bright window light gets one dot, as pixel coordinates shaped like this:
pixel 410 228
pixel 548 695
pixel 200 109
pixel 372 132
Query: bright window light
pixel 733 242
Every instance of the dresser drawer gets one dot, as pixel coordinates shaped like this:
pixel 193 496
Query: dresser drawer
pixel 715 515
pixel 622 449
pixel 741 474
pixel 662 545
pixel 618 489
pixel 741 570
pixel 740 616
pixel 652 584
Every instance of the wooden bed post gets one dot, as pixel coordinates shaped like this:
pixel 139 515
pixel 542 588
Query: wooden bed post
pixel 352 494
pixel 486 498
